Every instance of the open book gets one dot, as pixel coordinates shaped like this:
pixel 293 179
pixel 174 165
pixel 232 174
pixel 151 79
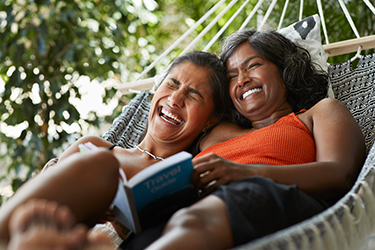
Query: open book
pixel 157 190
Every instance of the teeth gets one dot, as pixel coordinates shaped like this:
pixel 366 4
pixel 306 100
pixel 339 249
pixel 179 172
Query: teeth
pixel 168 121
pixel 251 91
pixel 170 115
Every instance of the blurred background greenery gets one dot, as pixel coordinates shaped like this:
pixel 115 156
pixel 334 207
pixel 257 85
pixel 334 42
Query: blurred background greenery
pixel 55 53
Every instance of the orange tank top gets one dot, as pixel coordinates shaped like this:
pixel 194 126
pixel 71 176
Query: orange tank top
pixel 288 141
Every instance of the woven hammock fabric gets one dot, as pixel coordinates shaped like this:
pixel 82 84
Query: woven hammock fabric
pixel 356 88
pixel 128 128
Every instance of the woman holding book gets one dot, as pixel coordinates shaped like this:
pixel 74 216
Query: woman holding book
pixel 293 155
pixel 182 107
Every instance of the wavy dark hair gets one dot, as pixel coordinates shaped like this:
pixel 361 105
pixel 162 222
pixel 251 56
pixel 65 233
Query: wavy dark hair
pixel 305 81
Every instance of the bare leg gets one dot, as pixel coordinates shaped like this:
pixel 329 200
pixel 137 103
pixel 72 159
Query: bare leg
pixel 97 141
pixel 86 183
pixel 204 225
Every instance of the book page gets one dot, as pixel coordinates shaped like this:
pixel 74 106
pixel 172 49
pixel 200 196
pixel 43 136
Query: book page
pixel 121 208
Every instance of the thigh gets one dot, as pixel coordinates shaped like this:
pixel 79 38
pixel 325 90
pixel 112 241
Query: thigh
pixel 258 206
pixel 210 224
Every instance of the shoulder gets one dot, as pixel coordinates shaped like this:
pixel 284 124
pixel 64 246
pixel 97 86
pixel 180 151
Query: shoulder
pixel 222 132
pixel 328 109
pixel 326 106
pixel 330 104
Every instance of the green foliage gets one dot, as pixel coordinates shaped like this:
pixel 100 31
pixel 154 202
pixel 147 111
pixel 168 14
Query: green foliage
pixel 46 45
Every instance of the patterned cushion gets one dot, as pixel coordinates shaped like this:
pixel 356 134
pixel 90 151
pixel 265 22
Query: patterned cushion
pixel 128 129
pixel 356 88
pixel 306 33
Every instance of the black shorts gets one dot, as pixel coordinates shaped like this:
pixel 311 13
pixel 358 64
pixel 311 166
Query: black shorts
pixel 257 206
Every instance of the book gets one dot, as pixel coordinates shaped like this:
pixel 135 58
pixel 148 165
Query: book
pixel 154 192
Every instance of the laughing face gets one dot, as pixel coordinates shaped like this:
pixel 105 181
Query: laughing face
pixel 255 84
pixel 182 105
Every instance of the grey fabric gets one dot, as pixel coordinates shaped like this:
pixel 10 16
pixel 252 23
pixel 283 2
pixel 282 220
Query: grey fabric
pixel 127 129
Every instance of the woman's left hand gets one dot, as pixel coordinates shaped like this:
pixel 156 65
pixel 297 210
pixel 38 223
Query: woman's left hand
pixel 213 171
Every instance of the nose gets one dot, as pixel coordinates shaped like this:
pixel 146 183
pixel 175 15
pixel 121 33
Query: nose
pixel 242 79
pixel 176 99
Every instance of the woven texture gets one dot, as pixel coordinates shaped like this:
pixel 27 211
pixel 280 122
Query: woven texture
pixel 356 88
pixel 128 128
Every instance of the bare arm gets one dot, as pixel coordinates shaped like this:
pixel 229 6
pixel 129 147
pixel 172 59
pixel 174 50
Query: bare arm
pixel 340 153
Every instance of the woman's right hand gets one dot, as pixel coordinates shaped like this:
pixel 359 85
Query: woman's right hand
pixel 211 171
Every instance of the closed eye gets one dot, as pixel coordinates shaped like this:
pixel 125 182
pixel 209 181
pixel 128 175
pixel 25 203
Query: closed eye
pixel 231 77
pixel 253 65
pixel 173 83
pixel 193 93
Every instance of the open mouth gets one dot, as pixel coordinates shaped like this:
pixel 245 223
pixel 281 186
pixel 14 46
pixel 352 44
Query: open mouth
pixel 169 117
pixel 251 91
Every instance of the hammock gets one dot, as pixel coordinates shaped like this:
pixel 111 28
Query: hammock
pixel 350 222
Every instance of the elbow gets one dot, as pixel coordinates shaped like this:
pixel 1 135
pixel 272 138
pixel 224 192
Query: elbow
pixel 341 184
pixel 347 180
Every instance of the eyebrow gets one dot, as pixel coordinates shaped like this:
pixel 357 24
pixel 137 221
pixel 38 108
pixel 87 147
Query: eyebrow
pixel 244 63
pixel 192 90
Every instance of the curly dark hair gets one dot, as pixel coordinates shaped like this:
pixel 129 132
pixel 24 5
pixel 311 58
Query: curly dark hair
pixel 305 81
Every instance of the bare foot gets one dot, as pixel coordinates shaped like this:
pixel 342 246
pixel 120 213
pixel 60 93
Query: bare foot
pixel 39 225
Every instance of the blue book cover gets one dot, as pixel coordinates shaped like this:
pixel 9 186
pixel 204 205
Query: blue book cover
pixel 158 187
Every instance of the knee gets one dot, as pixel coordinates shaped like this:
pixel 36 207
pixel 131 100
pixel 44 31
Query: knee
pixel 186 219
pixel 99 166
pixel 96 140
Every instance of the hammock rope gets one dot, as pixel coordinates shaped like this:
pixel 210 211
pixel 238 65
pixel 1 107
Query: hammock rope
pixel 322 20
pixel 180 39
pixel 252 13
pixel 300 10
pixel 226 25
pixel 332 49
pixel 208 28
pixel 283 14
pixel 370 6
pixel 349 18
